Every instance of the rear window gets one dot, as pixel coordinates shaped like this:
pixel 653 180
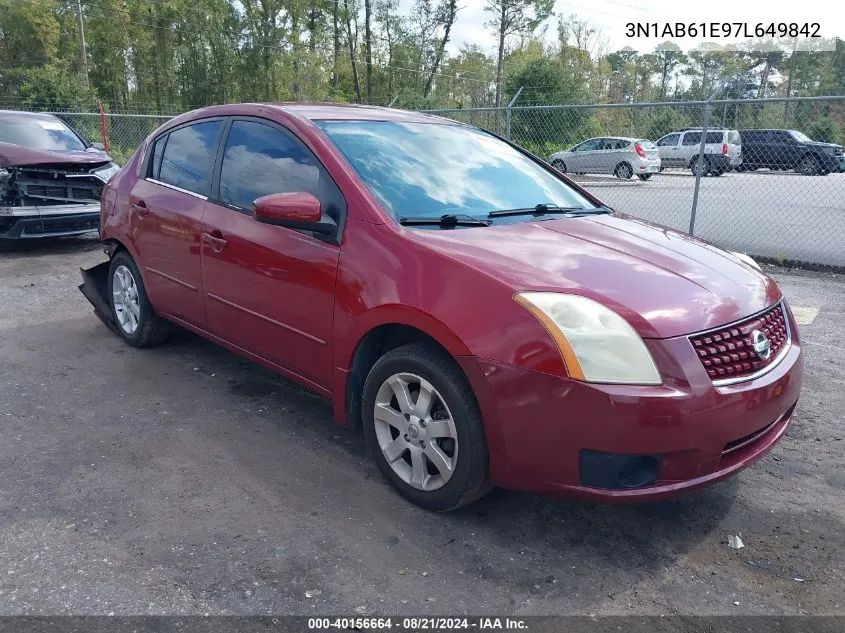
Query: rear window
pixel 647 144
pixel 188 156
pixel 734 137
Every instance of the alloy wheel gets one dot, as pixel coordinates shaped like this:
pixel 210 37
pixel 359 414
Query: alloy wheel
pixel 415 431
pixel 127 306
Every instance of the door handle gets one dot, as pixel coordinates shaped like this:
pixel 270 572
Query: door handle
pixel 215 240
pixel 139 207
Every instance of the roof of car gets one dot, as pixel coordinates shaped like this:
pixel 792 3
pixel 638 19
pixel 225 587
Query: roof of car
pixel 348 111
pixel 319 111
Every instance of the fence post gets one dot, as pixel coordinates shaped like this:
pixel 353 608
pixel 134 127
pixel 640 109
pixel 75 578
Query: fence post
pixel 508 114
pixel 103 126
pixel 699 163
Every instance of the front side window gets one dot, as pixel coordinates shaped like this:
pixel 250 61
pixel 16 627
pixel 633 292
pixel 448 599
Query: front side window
pixel 799 136
pixel 588 146
pixel 259 160
pixel 188 157
pixel 40 132
pixel 431 169
pixel 671 139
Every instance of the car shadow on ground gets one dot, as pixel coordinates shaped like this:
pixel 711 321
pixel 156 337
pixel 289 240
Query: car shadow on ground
pixel 636 538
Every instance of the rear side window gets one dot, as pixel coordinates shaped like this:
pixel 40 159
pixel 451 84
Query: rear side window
pixel 158 151
pixel 260 160
pixel 714 137
pixel 691 138
pixel 188 157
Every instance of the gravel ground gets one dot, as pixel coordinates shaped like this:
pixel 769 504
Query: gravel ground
pixel 184 480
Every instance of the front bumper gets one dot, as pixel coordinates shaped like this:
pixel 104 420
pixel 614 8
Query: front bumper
pixel 50 221
pixel 550 434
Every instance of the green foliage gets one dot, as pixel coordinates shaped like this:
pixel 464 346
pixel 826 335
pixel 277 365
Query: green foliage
pixel 825 130
pixel 54 87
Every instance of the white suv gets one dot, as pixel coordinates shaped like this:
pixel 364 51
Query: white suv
pixel 722 150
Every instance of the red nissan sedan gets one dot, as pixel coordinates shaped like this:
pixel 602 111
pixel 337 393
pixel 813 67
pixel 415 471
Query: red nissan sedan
pixel 484 319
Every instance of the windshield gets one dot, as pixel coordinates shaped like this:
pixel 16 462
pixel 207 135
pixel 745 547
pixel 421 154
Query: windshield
pixel 39 133
pixel 799 136
pixel 432 169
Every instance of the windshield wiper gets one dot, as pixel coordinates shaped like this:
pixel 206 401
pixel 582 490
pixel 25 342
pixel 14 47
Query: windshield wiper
pixel 447 220
pixel 543 209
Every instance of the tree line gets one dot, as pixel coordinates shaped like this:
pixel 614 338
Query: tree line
pixel 166 56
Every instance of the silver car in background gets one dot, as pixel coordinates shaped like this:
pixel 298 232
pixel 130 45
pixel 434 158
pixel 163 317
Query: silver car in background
pixel 618 155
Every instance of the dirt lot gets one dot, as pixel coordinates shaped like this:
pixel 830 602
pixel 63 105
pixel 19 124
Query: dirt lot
pixel 183 480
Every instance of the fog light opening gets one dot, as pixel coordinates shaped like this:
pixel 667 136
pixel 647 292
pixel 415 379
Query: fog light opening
pixel 639 471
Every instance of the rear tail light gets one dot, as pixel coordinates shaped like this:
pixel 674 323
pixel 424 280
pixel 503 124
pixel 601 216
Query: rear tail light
pixel 724 149
pixel 640 150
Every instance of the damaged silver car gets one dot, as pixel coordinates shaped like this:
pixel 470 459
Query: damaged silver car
pixel 50 178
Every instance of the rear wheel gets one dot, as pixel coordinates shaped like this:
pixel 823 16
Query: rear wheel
pixel 644 176
pixel 702 169
pixel 624 171
pixel 809 166
pixel 559 165
pixel 424 429
pixel 135 320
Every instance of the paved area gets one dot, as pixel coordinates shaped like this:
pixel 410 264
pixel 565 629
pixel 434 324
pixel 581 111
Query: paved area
pixel 184 480
pixel 775 214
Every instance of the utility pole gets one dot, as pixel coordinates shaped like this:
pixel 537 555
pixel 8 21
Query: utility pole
pixel 83 55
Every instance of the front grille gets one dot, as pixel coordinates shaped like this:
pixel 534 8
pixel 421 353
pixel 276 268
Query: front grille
pixel 728 353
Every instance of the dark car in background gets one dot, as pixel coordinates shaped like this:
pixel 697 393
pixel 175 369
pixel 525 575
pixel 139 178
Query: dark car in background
pixel 789 150
pixel 50 177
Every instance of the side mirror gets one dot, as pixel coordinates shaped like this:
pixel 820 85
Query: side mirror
pixel 98 146
pixel 298 210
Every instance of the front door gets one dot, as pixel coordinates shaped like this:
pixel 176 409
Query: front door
pixel 269 289
pixel 167 205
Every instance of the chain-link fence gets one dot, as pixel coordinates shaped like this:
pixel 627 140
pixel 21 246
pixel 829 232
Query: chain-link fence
pixel 760 176
pixel 765 177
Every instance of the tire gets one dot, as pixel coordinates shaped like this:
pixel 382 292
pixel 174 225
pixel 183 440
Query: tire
pixel 717 172
pixel 139 325
pixel 559 165
pixel 644 177
pixel 705 166
pixel 809 165
pixel 624 171
pixel 460 442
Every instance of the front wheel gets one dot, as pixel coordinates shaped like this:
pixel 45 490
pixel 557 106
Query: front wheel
pixel 424 429
pixel 809 166
pixel 559 165
pixel 135 320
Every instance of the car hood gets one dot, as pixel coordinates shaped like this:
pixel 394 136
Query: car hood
pixel 664 282
pixel 15 155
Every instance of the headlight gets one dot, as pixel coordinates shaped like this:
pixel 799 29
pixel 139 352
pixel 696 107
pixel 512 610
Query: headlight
pixel 748 260
pixel 597 345
pixel 104 173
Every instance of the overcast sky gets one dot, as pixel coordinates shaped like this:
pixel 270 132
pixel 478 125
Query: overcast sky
pixel 612 16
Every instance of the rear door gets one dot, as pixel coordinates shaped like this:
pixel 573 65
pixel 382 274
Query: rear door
pixel 270 289
pixel 614 154
pixel 167 206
